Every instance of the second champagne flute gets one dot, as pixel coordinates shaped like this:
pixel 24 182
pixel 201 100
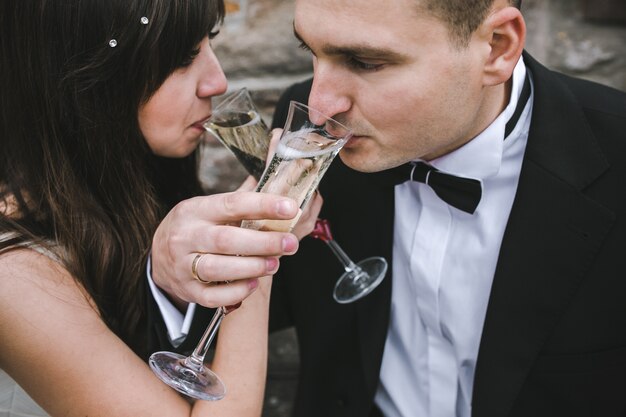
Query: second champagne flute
pixel 309 143
pixel 359 279
pixel 238 125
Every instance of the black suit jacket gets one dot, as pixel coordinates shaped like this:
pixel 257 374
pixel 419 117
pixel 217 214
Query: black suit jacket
pixel 554 337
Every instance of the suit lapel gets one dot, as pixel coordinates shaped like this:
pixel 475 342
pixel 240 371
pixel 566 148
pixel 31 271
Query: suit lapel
pixel 373 311
pixel 362 223
pixel 553 233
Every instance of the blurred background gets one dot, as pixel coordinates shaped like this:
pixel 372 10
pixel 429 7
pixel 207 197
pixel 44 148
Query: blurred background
pixel 583 38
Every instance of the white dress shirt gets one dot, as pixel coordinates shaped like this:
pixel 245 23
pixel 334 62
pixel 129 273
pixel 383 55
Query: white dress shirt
pixel 443 266
pixel 177 325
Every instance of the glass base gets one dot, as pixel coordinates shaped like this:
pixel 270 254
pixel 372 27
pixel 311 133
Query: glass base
pixel 201 384
pixel 361 281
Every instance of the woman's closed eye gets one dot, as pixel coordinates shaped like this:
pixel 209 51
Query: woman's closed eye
pixel 188 60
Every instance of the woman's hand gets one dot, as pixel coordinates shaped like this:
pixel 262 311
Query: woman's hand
pixel 199 244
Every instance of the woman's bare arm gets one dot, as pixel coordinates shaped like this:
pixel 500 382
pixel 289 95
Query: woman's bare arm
pixel 54 344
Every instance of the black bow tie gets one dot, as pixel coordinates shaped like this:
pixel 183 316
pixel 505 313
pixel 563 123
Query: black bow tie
pixel 459 192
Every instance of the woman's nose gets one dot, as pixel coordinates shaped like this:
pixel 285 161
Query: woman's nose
pixel 212 81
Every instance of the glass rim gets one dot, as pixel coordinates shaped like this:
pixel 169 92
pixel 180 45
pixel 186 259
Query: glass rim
pixel 225 102
pixel 229 97
pixel 301 105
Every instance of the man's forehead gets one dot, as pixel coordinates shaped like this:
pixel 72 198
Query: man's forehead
pixel 360 16
pixel 352 47
pixel 335 27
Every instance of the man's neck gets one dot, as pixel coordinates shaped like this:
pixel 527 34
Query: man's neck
pixel 495 100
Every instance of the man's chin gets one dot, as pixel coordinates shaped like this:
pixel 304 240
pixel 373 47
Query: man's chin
pixel 358 161
pixel 368 162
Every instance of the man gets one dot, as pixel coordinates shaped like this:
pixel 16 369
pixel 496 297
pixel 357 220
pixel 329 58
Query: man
pixel 507 302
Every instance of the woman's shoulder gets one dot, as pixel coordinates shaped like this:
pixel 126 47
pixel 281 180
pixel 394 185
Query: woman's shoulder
pixel 33 284
pixel 25 259
pixel 28 276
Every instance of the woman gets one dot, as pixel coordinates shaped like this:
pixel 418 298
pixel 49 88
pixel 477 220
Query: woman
pixel 101 104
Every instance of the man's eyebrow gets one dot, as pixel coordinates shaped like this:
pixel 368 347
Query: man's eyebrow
pixel 365 51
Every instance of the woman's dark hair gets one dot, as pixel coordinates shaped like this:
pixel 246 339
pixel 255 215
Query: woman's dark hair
pixel 72 157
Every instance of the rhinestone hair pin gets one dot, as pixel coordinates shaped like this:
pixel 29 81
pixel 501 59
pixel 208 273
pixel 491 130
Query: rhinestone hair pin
pixel 144 21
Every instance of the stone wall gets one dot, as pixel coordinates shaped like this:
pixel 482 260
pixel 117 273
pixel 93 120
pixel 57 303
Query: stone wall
pixel 585 38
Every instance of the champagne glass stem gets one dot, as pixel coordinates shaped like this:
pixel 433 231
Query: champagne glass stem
pixel 347 263
pixel 196 359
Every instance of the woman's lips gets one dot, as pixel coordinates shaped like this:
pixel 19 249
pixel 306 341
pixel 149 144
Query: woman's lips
pixel 200 123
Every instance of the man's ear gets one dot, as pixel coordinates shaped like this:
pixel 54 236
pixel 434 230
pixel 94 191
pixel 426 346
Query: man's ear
pixel 506 32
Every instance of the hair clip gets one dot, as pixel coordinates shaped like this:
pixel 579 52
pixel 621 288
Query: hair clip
pixel 144 21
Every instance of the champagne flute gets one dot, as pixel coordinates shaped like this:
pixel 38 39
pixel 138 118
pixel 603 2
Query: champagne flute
pixel 237 125
pixel 359 279
pixel 309 143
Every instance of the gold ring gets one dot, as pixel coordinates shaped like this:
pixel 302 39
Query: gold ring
pixel 194 268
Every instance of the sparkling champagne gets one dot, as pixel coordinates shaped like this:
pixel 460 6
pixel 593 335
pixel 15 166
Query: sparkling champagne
pixel 246 135
pixel 300 161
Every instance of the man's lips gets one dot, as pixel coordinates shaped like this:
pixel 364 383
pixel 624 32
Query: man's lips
pixel 354 139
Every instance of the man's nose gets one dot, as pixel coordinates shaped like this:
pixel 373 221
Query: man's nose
pixel 328 95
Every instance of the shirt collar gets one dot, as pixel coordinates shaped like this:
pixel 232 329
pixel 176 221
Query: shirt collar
pixel 481 157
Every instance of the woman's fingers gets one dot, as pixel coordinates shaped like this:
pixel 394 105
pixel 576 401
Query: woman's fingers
pixel 232 240
pixel 211 268
pixel 236 206
pixel 222 294
pixel 210 226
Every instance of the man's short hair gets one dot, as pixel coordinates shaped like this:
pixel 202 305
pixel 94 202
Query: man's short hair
pixel 462 16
